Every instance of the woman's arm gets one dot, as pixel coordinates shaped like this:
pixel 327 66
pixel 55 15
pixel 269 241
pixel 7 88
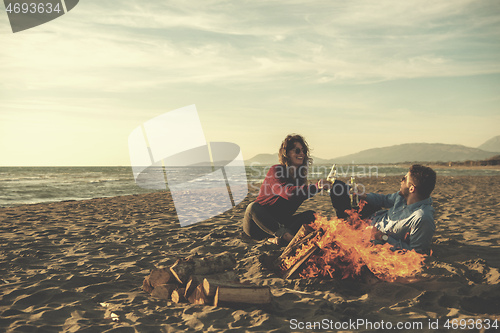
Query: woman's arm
pixel 278 184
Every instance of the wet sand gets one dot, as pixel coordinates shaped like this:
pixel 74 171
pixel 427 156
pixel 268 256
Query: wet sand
pixel 68 266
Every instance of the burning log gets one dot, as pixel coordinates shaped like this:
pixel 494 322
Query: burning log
pixel 305 256
pixel 337 248
pixel 184 268
pixel 300 238
pixel 300 248
pixel 242 295
pixel 303 232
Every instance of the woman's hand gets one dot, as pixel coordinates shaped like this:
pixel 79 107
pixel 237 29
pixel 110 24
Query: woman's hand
pixel 324 184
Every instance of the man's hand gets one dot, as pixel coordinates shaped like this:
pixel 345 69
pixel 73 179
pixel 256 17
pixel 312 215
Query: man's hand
pixel 376 234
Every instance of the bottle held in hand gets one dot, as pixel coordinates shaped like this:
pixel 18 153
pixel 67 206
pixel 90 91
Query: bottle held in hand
pixel 332 176
pixel 353 193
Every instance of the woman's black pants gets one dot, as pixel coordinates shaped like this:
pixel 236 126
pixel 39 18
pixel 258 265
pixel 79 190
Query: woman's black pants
pixel 258 222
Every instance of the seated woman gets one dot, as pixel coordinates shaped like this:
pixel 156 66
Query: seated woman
pixel 282 192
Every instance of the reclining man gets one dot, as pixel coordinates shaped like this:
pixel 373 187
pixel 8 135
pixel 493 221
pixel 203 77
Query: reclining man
pixel 409 221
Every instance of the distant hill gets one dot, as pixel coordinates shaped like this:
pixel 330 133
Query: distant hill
pixel 409 152
pixel 263 159
pixel 492 144
pixel 416 152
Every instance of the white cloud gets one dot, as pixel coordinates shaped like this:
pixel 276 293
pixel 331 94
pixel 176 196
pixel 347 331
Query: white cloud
pixel 136 44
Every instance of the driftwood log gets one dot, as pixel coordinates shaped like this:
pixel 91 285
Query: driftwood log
pixel 198 296
pixel 184 268
pixel 156 278
pixel 242 295
pixel 202 280
pixel 178 295
pixel 196 280
pixel 163 291
pixel 210 285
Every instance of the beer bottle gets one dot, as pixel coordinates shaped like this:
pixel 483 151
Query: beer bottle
pixel 353 193
pixel 332 176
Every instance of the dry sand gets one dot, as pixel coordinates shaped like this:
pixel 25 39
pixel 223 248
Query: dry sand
pixel 68 266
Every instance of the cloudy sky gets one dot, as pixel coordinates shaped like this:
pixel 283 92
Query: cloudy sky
pixel 348 75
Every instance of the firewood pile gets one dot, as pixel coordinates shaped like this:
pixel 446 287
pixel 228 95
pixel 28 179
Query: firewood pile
pixel 298 251
pixel 206 280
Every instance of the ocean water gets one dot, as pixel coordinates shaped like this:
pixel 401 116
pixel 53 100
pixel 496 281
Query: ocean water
pixel 27 185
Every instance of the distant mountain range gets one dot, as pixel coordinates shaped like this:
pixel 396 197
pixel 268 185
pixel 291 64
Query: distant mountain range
pixel 408 152
pixel 416 152
pixel 492 144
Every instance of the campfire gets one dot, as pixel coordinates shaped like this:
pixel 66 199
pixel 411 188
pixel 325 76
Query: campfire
pixel 336 248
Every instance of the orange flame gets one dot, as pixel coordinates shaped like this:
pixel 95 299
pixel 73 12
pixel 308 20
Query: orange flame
pixel 345 248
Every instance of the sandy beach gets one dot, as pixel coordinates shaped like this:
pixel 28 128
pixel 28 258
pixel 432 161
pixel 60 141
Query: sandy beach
pixel 68 266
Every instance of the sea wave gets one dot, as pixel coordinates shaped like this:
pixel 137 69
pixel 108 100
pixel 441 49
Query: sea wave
pixel 21 185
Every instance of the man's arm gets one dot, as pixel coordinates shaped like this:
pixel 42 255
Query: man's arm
pixel 380 200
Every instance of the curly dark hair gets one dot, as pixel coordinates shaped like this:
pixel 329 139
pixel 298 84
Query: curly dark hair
pixel 424 178
pixel 287 145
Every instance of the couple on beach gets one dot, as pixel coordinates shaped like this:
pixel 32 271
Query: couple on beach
pixel 408 222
